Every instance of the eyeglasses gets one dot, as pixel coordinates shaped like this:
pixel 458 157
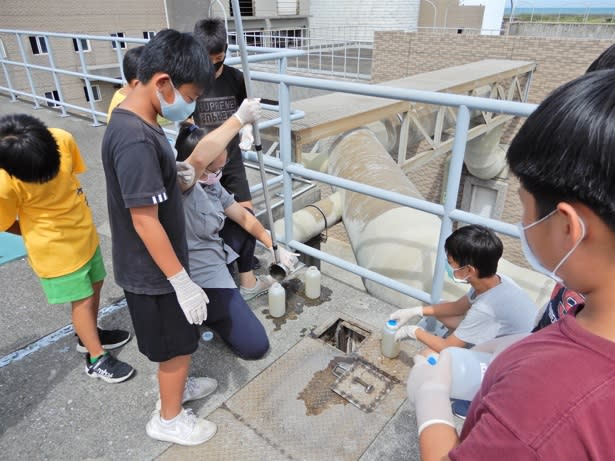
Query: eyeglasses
pixel 218 172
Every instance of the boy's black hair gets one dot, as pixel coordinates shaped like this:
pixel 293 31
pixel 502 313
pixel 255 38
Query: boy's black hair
pixel 606 60
pixel 188 137
pixel 130 63
pixel 177 54
pixel 476 246
pixel 211 33
pixel 565 150
pixel 28 150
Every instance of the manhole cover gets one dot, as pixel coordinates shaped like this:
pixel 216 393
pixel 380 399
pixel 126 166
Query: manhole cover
pixel 362 384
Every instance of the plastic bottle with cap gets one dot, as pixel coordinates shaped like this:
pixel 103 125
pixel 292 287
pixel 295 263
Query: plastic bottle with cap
pixel 277 300
pixel 468 369
pixel 312 283
pixel 388 346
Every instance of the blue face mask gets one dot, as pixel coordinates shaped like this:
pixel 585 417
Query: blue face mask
pixel 531 257
pixel 177 111
pixel 451 273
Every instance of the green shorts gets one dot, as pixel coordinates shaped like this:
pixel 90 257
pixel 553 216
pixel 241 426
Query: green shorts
pixel 77 285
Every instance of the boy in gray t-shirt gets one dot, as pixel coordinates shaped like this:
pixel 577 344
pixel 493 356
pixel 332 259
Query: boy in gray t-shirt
pixel 494 306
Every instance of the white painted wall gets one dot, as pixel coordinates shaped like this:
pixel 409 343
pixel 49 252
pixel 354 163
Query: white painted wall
pixel 494 14
pixel 358 19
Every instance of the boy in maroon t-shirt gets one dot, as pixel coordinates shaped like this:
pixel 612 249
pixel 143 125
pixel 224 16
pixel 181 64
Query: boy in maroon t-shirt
pixel 550 395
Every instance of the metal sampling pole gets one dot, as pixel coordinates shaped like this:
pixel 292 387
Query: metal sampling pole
pixel 275 268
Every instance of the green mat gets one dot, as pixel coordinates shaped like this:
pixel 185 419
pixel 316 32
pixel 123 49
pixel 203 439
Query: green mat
pixel 11 247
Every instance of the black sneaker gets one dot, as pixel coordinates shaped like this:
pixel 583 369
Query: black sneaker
pixel 460 408
pixel 109 339
pixel 108 368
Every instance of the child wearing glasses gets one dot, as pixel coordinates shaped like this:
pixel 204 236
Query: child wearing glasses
pixel 207 204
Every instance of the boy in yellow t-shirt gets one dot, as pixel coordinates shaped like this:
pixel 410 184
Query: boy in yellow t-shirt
pixel 130 64
pixel 42 199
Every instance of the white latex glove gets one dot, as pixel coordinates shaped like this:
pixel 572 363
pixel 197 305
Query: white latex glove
pixel 191 297
pixel 404 315
pixel 185 175
pixel 287 258
pixel 246 137
pixel 249 111
pixel 429 389
pixel 407 331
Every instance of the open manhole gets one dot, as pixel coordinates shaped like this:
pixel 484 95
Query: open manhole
pixel 343 333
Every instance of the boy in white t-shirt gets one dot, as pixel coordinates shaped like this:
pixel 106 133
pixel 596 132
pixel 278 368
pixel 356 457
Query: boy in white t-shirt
pixel 494 306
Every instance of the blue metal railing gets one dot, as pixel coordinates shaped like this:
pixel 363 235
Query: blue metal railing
pixel 447 211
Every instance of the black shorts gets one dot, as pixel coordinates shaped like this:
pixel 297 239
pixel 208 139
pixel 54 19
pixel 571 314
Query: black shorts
pixel 161 327
pixel 234 178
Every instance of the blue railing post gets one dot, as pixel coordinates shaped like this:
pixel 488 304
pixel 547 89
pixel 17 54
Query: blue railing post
pixel 286 153
pixel 56 80
pixel 88 84
pixel 450 200
pixel 26 62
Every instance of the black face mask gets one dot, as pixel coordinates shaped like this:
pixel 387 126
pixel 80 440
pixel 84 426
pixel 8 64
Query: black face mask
pixel 219 64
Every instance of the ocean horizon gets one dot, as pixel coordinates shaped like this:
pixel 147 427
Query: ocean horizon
pixel 563 11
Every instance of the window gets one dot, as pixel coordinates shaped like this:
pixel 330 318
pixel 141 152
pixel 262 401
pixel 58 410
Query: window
pixel 245 7
pixel 119 35
pixel 95 92
pixel 38 44
pixel 52 95
pixel 85 44
pixel 148 34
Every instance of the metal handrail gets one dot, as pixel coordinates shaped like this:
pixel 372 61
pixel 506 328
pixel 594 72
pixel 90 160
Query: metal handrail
pixel 447 211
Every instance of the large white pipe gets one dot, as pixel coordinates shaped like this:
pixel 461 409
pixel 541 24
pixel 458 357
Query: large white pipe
pixel 390 239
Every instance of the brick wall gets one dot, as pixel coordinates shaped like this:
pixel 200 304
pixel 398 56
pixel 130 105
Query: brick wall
pixel 400 54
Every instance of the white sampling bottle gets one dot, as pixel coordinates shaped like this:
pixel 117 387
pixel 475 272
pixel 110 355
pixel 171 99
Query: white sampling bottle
pixel 467 371
pixel 312 283
pixel 277 300
pixel 388 346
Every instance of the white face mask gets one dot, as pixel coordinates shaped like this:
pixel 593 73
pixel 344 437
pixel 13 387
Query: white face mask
pixel 531 257
pixel 451 273
pixel 178 110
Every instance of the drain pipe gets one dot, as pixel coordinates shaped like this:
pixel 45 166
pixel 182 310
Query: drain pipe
pixel 388 238
pixel 484 157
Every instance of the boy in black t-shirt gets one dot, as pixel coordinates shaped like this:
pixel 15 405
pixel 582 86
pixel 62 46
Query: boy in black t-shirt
pixel 147 223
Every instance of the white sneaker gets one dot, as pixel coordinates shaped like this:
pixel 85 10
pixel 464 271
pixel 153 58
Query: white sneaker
pixel 195 389
pixel 186 429
pixel 263 282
